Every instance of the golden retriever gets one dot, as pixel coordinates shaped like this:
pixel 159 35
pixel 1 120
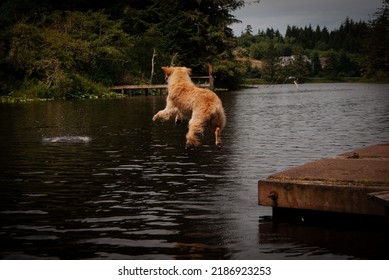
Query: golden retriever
pixel 185 100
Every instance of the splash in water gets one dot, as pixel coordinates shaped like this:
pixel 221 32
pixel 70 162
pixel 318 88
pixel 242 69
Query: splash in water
pixel 67 139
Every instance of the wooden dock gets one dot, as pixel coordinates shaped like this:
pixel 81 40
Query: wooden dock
pixel 162 88
pixel 127 89
pixel 356 182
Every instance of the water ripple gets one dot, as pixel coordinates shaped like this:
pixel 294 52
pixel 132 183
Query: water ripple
pixel 67 139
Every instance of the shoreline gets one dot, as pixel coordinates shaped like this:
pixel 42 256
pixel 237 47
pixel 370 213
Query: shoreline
pixel 314 80
pixel 248 83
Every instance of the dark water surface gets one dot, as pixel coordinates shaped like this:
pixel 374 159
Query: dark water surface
pixel 97 179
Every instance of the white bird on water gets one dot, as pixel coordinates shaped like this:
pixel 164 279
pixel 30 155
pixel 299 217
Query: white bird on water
pixel 295 81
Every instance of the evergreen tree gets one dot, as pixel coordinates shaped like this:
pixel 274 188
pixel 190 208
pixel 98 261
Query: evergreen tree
pixel 249 30
pixel 316 65
pixel 271 63
pixel 377 42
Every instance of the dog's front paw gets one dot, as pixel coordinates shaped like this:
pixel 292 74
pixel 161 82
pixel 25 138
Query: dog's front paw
pixel 189 146
pixel 155 118
pixel 192 143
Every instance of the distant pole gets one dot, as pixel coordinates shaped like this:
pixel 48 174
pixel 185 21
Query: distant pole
pixel 211 79
pixel 152 66
pixel 173 59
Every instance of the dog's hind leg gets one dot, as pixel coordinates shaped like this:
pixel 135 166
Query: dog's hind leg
pixel 218 140
pixel 195 128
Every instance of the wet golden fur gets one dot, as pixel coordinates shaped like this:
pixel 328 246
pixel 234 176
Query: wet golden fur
pixel 185 100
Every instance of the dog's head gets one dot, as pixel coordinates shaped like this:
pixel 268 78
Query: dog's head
pixel 170 70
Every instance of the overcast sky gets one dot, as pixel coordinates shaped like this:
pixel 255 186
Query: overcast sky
pixel 279 13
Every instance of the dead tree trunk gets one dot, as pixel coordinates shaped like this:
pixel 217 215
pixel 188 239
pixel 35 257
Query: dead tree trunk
pixel 152 66
pixel 173 59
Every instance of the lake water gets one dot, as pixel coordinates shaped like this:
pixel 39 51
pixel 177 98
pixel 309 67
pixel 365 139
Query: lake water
pixel 97 179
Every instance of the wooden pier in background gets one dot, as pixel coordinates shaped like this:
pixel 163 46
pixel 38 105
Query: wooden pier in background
pixel 126 89
pixel 161 88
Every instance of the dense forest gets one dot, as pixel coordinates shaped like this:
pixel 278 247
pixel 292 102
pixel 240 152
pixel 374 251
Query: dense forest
pixel 78 48
pixel 355 49
pixel 313 52
pixel 73 48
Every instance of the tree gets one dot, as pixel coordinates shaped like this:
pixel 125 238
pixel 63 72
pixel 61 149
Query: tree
pixel 271 63
pixel 249 30
pixel 332 66
pixel 198 30
pixel 377 42
pixel 316 66
pixel 67 53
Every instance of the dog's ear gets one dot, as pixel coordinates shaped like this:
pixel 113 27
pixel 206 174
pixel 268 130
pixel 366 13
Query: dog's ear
pixel 168 70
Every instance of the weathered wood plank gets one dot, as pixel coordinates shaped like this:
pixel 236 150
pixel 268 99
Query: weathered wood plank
pixel 146 87
pixel 139 87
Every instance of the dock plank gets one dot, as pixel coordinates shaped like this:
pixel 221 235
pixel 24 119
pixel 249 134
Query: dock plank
pixel 138 87
pixel 147 87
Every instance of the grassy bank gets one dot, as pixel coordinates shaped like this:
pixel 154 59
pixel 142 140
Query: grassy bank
pixel 27 98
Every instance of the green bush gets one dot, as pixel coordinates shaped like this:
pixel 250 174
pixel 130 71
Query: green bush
pixel 31 89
